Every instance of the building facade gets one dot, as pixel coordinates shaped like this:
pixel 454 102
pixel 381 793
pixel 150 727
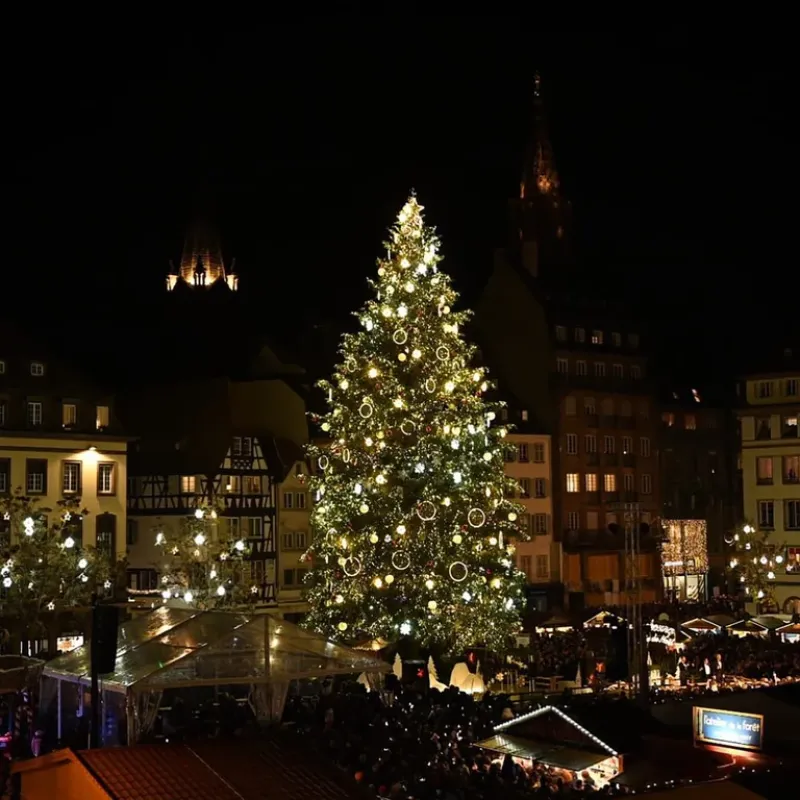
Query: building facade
pixel 294 539
pixel 699 487
pixel 770 459
pixel 59 439
pixel 579 364
pixel 528 461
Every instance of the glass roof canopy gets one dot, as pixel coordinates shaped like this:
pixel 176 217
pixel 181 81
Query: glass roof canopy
pixel 177 647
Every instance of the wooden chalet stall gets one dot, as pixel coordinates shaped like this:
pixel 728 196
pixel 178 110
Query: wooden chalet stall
pixel 714 623
pixel 789 633
pixel 556 739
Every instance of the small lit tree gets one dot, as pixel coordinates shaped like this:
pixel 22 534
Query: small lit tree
pixel 753 561
pixel 46 566
pixel 204 567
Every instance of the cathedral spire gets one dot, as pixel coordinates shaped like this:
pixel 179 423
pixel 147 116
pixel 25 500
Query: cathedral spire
pixel 541 217
pixel 201 262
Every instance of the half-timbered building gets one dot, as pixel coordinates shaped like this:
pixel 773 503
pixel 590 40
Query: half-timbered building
pixel 222 443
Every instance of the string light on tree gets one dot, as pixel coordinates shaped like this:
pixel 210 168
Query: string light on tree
pixel 203 566
pixel 412 522
pixel 753 562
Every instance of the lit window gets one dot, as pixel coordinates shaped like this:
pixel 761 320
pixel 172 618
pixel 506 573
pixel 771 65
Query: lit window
pixel 69 414
pixel 37 368
pixel 690 421
pixel 668 418
pixel 591 482
pixel 573 482
pixel 609 482
pixel 102 417
pixel 597 337
pixel 188 484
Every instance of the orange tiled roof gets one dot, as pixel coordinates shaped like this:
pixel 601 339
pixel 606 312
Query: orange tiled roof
pixel 151 772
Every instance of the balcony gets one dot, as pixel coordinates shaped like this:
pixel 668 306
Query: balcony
pixel 628 460
pixel 592 459
pixel 611 497
pixel 592 421
pixel 610 459
pixel 593 498
pixel 630 496
pixel 627 423
pixel 608 421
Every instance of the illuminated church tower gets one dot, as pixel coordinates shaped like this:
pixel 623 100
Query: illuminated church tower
pixel 202 265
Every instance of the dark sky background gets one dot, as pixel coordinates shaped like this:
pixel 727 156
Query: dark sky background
pixel 673 149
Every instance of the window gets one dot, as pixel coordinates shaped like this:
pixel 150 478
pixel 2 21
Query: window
pixel 188 484
pixel 522 453
pixel 37 369
pixel 562 365
pixel 540 524
pixel 791 469
pixel 252 527
pixel 791 388
pixel 609 445
pixel 2 414
pixel 592 521
pixel 763 389
pixel 617 371
pixel 791 515
pixel 69 414
pixel 36 476
pixel 288 499
pixel 71 477
pixel 690 422
pixel 570 406
pixel 590 480
pixel 668 418
pixel 793 559
pixel 627 445
pixel 234 528
pixel 131 531
pixel 525 563
pixel 34 413
pixel 539 487
pixel 597 337
pixel 590 443
pixel 251 484
pixel 5 475
pixel 609 482
pixel 294 540
pixel 629 482
pixel 102 416
pixel 524 488
pixel 589 406
pixel 647 484
pixel 580 335
pixel 616 339
pixel 581 368
pixel 242 446
pixel 764 469
pixel 573 482
pixel 538 453
pixel 105 478
pixel 301 499
pixel 789 426
pixel 561 333
pixel 542 566
pixel 510 454
pixel 572 444
pixel 523 415
pixel 633 339
pixel 766 514
pixel 599 369
pixel 233 484
pixel 2 367
pixel 644 447
pixel 106 533
pixel 525 523
pixel 294 577
pixel 573 520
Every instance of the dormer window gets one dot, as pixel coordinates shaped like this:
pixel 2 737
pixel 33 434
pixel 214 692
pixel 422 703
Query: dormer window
pixel 37 369
pixel 597 337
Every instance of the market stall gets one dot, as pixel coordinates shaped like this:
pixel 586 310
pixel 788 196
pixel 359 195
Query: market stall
pixel 181 648
pixel 714 623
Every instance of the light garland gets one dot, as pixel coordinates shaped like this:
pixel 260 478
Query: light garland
pixel 753 561
pixel 685 549
pixel 411 514
pixel 203 568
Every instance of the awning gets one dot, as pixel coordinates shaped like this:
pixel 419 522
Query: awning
pixel 571 758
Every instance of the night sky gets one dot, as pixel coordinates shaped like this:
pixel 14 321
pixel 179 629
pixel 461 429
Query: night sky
pixel 673 149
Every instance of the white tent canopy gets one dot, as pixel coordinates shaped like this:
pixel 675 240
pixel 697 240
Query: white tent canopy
pixel 179 647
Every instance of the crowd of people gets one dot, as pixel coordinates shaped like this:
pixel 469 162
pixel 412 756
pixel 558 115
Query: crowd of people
pixel 420 745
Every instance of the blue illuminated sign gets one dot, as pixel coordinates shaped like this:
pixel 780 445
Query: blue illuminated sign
pixel 728 728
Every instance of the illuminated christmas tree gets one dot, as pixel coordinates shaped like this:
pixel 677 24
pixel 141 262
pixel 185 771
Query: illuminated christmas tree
pixel 753 561
pixel 45 566
pixel 412 526
pixel 204 567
